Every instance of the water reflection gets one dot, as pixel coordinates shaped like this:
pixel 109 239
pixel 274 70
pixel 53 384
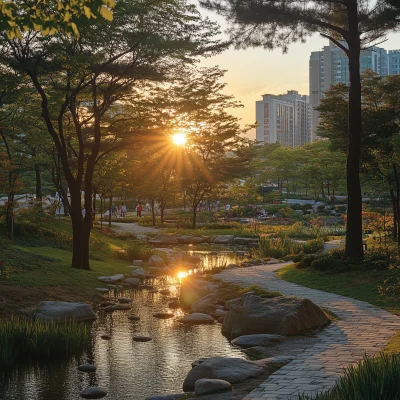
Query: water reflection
pixel 127 369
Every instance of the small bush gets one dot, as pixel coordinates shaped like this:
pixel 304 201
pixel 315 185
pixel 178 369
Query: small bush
pixel 277 248
pixel 328 263
pixel 135 251
pixel 306 261
pixel 371 379
pixel 313 246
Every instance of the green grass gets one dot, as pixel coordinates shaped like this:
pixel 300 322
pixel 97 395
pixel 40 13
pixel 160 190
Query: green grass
pixel 358 284
pixel 25 339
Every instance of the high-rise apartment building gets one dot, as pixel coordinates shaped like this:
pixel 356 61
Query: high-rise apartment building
pixel 331 66
pixel 284 118
pixel 394 62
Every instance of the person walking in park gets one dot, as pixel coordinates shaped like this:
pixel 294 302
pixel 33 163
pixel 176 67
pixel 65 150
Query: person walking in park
pixel 123 210
pixel 114 211
pixel 139 210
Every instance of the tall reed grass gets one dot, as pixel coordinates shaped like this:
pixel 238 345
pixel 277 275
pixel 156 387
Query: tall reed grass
pixel 26 339
pixel 277 248
pixel 371 379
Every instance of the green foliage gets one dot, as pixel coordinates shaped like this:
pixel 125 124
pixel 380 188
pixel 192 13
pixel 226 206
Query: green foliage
pixel 135 251
pixel 371 379
pixel 277 248
pixel 306 260
pixel 313 246
pixel 259 291
pixel 26 339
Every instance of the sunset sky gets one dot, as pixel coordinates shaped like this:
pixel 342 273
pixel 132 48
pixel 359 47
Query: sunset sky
pixel 254 72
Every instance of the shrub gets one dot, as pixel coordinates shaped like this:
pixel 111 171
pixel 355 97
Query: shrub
pixel 277 248
pixel 34 340
pixel 306 261
pixel 372 378
pixel 313 246
pixel 135 251
pixel 327 262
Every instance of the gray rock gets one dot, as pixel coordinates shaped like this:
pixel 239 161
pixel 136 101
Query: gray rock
pixel 122 307
pixel 228 369
pixel 62 311
pixel 109 308
pixel 224 239
pixel 134 318
pixel 137 263
pixel 156 261
pixel 139 273
pixel 232 266
pixel 125 300
pixel 256 352
pixel 111 279
pixel 197 319
pixel 165 291
pixel 206 386
pixel 219 313
pixel 263 339
pixel 106 337
pixel 281 315
pixel 102 290
pixel 206 305
pixel 163 315
pixel 164 238
pixel 87 368
pixel 188 239
pixel 142 339
pixel 132 281
pixel 106 304
pixel 244 240
pixel 93 392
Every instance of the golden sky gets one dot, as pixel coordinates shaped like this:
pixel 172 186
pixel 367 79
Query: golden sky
pixel 254 72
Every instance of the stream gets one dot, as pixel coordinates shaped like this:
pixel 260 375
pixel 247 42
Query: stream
pixel 127 369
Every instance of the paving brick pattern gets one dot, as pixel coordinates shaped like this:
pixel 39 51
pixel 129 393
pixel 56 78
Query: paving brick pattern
pixel 361 329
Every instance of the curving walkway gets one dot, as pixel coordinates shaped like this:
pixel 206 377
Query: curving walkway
pixel 361 329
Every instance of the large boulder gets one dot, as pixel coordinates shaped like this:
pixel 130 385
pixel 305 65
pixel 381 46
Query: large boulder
pixel 231 370
pixel 93 392
pixel 163 238
pixel 156 261
pixel 281 315
pixel 62 311
pixel 193 289
pixel 245 240
pixel 261 339
pixel 206 305
pixel 188 239
pixel 206 386
pixel 224 239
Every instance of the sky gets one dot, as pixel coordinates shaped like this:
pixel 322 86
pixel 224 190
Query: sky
pixel 254 72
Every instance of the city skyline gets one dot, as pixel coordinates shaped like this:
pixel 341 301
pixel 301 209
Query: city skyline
pixel 252 73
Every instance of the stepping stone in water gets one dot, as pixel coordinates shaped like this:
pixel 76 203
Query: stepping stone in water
pixel 109 309
pixel 106 337
pixel 165 291
pixel 174 304
pixel 106 304
pixel 163 315
pixel 125 300
pixel 134 318
pixel 93 392
pixel 122 307
pixel 142 339
pixel 87 368
pixel 102 290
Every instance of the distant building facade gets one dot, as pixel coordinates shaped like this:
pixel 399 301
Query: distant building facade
pixel 284 118
pixel 331 66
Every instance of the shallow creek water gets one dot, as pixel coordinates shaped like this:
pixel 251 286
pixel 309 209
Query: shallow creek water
pixel 128 370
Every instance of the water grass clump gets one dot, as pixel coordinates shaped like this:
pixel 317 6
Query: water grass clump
pixel 277 248
pixel 28 339
pixel 371 379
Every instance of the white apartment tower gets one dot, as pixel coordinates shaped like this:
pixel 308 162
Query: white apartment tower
pixel 284 118
pixel 331 66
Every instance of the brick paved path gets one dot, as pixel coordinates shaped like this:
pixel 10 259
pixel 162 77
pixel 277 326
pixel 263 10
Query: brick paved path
pixel 361 329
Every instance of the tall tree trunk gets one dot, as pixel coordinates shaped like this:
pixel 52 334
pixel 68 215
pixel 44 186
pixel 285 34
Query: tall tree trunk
pixel 395 213
pixel 38 183
pixel 80 232
pixel 101 211
pixel 354 243
pixel 396 176
pixel 162 208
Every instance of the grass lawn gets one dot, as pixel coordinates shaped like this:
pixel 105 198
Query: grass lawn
pixel 41 270
pixel 360 285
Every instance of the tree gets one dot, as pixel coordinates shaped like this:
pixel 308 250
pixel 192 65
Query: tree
pixel 352 25
pixel 87 85
pixel 380 157
pixel 50 17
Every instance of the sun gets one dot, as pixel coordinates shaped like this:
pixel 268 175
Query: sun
pixel 182 275
pixel 179 139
